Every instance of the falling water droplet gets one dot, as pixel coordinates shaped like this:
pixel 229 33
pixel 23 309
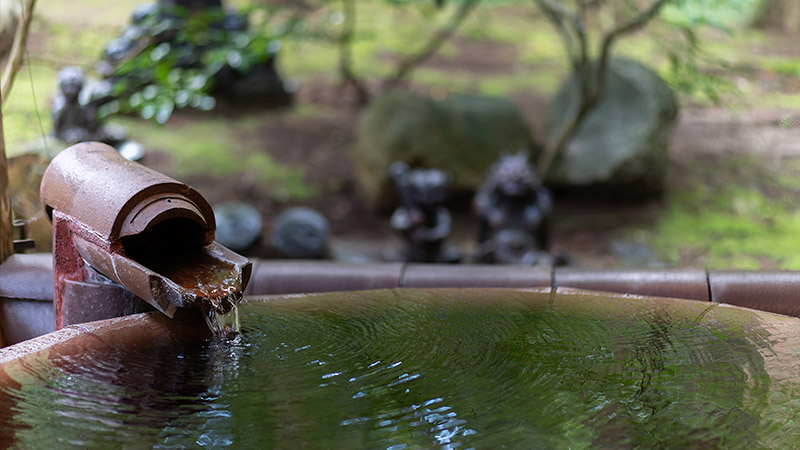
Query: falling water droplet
pixel 223 322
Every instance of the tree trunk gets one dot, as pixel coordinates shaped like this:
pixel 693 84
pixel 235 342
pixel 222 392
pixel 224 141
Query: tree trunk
pixel 6 238
pixel 778 14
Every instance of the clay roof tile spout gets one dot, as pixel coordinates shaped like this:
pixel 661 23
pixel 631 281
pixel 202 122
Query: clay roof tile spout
pixel 139 228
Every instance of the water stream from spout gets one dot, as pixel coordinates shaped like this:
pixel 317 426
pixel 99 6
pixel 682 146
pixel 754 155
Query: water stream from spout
pixel 223 323
pixel 210 283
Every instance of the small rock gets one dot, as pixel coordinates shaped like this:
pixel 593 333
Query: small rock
pixel 300 233
pixel 238 225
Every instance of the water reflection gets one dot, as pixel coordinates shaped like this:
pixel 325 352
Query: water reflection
pixel 439 370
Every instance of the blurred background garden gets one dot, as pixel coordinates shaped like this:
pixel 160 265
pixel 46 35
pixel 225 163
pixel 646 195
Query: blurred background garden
pixel 724 194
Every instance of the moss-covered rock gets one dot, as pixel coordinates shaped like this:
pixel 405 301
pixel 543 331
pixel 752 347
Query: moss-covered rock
pixel 461 134
pixel 622 143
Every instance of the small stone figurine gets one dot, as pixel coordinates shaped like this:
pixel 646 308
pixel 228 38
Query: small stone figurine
pixel 75 109
pixel 514 210
pixel 422 220
pixel 73 122
pixel 75 113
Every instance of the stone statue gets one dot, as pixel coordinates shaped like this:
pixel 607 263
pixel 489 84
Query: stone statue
pixel 73 122
pixel 422 220
pixel 514 210
pixel 261 81
pixel 75 109
pixel 75 113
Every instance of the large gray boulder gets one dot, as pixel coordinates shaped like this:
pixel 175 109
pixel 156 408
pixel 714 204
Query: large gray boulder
pixel 461 134
pixel 622 143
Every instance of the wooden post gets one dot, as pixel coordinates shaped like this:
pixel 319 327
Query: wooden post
pixel 14 62
pixel 6 237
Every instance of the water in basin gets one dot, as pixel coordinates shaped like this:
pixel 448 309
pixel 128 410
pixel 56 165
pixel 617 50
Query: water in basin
pixel 433 369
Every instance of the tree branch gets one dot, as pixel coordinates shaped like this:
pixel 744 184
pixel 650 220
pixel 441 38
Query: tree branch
pixel 348 76
pixel 557 20
pixel 440 37
pixel 591 87
pixel 560 16
pixel 611 37
pixel 17 50
pixel 554 147
pixel 14 63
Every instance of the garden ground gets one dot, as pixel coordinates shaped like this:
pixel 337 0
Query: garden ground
pixel 734 175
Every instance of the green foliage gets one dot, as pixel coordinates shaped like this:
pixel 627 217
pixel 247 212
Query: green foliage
pixel 177 68
pixel 720 14
pixel 26 120
pixel 689 69
pixel 692 69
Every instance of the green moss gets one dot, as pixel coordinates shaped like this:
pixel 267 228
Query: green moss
pixel 535 81
pixel 448 81
pixel 542 47
pixel 783 66
pixel 86 44
pixel 494 85
pixel 307 111
pixel 501 24
pixel 317 58
pixel 711 221
pixel 497 86
pixel 113 14
pixel 780 100
pixel 736 229
pixel 26 112
pixel 207 147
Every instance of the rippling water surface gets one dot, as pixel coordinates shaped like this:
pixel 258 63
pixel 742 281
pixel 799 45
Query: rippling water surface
pixel 412 369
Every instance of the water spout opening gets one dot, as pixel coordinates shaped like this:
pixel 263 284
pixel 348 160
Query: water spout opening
pixel 175 249
pixel 171 236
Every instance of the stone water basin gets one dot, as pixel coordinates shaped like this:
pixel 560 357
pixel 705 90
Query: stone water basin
pixel 415 368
